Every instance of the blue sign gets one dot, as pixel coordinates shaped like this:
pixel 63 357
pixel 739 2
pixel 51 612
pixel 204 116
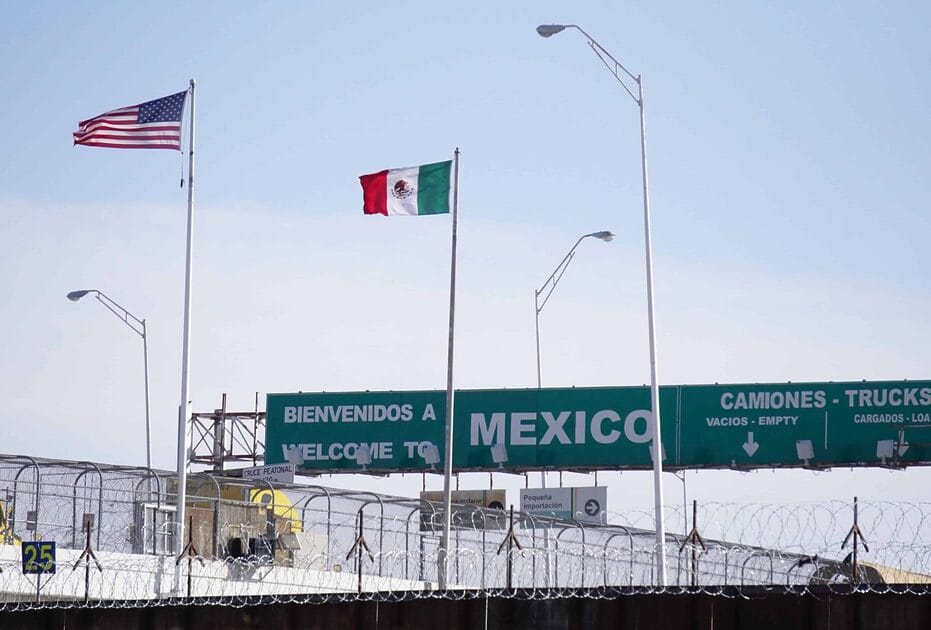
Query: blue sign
pixel 39 557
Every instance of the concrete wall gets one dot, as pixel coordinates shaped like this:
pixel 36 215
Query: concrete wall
pixel 747 609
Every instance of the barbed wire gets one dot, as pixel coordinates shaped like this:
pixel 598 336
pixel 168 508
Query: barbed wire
pixel 113 530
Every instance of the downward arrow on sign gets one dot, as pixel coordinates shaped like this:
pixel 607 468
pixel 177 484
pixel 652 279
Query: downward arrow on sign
pixel 750 446
pixel 902 444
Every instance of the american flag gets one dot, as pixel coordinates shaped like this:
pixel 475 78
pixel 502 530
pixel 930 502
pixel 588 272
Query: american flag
pixel 152 125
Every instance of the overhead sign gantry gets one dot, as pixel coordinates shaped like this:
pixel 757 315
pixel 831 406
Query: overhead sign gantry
pixel 882 423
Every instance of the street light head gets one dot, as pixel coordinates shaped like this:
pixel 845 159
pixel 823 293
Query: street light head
pixel 548 30
pixel 606 236
pixel 74 296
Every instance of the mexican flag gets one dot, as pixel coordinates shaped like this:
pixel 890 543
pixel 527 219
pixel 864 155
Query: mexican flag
pixel 412 191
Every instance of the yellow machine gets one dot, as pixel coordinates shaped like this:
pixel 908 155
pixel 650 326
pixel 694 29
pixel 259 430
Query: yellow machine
pixel 240 519
pixel 283 508
pixel 7 537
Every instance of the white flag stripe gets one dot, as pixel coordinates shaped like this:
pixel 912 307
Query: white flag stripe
pixel 130 139
pixel 123 114
pixel 403 200
pixel 139 131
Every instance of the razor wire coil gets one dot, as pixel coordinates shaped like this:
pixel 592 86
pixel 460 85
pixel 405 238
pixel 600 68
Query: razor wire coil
pixel 297 544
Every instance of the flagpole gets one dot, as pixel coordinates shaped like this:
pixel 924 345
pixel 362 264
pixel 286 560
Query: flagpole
pixel 443 554
pixel 184 407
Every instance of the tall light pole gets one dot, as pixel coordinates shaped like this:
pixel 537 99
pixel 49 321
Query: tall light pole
pixel 547 288
pixel 619 72
pixel 138 326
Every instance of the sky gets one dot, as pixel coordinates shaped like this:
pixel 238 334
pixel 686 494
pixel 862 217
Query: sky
pixel 788 160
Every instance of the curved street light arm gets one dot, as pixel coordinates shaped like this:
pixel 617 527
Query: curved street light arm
pixel 137 325
pixel 554 278
pixel 612 67
pixel 548 287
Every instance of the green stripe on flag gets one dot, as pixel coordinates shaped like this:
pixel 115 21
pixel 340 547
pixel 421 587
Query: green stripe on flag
pixel 433 188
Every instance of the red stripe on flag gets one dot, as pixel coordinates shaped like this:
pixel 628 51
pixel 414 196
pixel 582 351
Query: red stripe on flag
pixel 176 137
pixel 375 192
pixel 130 146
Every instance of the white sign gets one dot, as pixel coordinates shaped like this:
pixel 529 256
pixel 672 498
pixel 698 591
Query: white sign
pixel 468 506
pixel 549 502
pixel 589 504
pixel 282 473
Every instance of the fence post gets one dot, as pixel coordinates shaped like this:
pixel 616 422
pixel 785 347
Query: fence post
pixel 857 536
pixel 358 546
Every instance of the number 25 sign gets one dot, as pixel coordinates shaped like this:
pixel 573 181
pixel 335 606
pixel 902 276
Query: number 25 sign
pixel 39 557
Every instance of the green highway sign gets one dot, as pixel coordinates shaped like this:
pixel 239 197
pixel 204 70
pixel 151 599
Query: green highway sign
pixel 588 428
pixel 326 430
pixel 819 424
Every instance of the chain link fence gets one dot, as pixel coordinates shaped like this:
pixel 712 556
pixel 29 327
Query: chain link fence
pixel 114 534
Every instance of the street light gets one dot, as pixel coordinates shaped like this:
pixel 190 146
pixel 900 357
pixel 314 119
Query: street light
pixel 620 72
pixel 138 326
pixel 548 30
pixel 550 285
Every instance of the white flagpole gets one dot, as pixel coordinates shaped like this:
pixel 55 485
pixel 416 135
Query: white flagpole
pixel 443 554
pixel 184 407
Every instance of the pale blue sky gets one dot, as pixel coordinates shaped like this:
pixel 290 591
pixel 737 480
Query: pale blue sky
pixel 789 161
